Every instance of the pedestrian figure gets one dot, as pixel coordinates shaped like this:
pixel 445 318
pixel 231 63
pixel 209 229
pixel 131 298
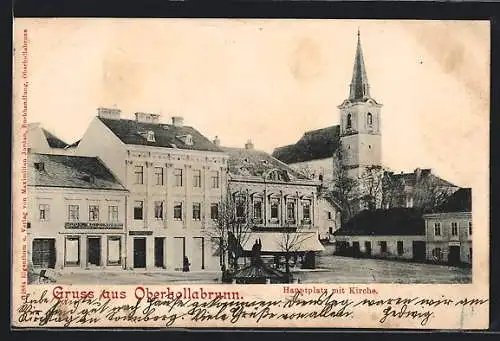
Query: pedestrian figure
pixel 186 265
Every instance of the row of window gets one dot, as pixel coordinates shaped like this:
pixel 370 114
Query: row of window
pixel 74 213
pixel 178 177
pixel 454 229
pixel 178 209
pixel 241 211
pixel 257 205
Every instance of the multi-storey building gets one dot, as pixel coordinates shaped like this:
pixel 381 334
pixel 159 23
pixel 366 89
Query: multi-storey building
pixel 449 230
pixel 175 176
pixel 76 215
pixel 281 203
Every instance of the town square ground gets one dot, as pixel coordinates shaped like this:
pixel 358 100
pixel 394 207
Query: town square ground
pixel 330 269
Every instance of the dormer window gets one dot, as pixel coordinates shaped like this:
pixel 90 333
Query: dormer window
pixel 150 136
pixel 39 166
pixel 186 139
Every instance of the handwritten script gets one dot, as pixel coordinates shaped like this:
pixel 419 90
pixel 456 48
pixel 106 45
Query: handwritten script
pixel 47 310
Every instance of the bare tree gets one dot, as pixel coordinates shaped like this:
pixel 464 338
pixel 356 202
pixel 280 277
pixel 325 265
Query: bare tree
pixel 371 186
pixel 232 228
pixel 344 189
pixel 291 241
pixel 429 194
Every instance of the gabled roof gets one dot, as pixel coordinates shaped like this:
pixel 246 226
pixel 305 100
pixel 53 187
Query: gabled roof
pixel 165 135
pixel 313 145
pixel 53 141
pixel 70 172
pixel 392 222
pixel 460 201
pixel 251 162
pixel 411 179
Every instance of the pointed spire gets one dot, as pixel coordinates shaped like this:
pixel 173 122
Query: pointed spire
pixel 359 88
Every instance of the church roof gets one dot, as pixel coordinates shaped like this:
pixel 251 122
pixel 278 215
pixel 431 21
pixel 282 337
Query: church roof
pixel 313 145
pixel 359 89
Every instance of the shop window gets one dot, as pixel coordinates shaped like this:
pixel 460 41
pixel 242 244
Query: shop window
pixel 114 250
pixel 72 251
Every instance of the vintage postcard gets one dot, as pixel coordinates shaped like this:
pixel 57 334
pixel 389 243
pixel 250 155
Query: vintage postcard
pixel 250 173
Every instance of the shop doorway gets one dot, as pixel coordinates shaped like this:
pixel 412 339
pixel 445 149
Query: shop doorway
pixel 139 253
pixel 159 249
pixel 94 251
pixel 419 251
pixel 454 255
pixel 44 253
pixel 368 248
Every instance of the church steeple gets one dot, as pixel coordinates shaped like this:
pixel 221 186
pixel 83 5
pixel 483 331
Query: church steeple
pixel 359 88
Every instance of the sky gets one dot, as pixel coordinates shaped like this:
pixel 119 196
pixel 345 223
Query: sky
pixel 271 80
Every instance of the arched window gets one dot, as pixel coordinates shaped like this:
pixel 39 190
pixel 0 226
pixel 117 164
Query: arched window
pixel 349 121
pixel 369 119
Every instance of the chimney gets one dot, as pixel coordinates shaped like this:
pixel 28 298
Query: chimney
pixel 217 141
pixel 418 172
pixel 177 121
pixel 146 117
pixel 110 113
pixel 249 145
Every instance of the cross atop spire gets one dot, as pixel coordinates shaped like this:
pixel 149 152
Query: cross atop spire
pixel 359 88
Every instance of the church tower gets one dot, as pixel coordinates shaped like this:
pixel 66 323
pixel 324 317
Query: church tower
pixel 360 133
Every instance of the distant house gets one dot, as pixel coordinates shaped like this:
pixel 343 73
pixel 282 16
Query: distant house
pixel 420 188
pixel 40 140
pixel 448 231
pixel 393 233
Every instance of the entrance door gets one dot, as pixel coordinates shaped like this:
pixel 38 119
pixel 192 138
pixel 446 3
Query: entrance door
pixel 368 248
pixel 139 252
pixel 418 251
pixel 159 244
pixel 94 251
pixel 44 253
pixel 454 255
pixel 179 253
pixel 198 254
pixel 355 248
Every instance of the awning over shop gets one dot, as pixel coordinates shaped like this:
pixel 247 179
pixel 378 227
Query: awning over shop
pixel 279 241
